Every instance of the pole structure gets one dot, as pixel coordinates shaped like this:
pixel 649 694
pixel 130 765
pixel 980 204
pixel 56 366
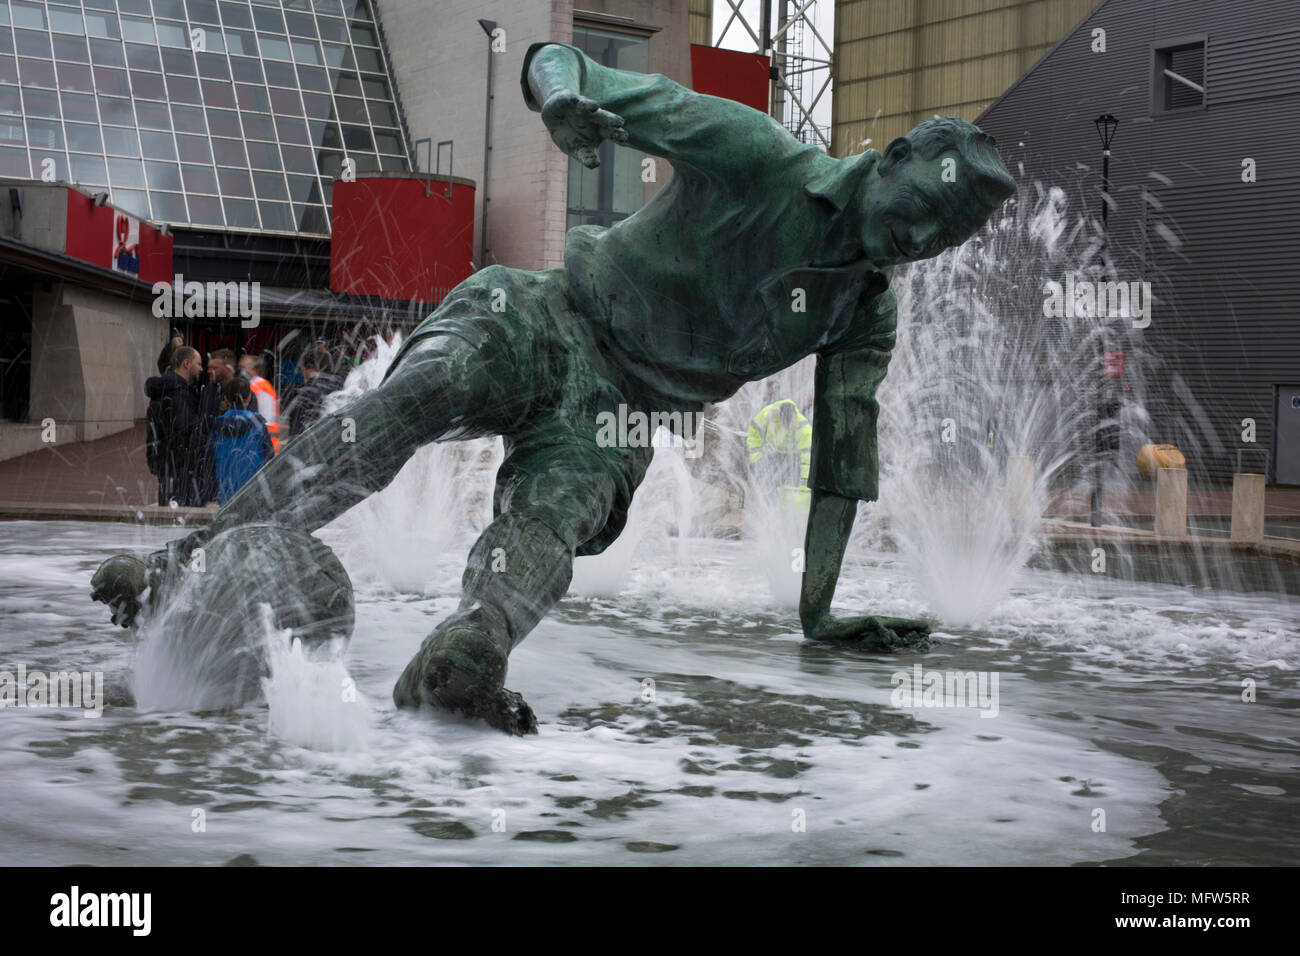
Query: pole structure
pixel 765 33
pixel 488 26
pixel 1106 125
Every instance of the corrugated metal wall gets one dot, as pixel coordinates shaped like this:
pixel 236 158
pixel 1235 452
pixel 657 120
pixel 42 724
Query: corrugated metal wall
pixel 1223 255
pixel 702 22
pixel 898 62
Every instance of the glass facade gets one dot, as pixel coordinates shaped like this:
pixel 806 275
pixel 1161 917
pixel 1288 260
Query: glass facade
pixel 613 190
pixel 235 113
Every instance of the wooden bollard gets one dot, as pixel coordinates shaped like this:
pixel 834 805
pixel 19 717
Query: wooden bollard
pixel 1247 508
pixel 1171 502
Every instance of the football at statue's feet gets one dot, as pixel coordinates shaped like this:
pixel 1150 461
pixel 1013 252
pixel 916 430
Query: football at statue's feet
pixel 209 608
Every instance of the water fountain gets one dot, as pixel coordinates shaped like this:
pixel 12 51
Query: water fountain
pixel 684 713
pixel 449 483
pixel 983 382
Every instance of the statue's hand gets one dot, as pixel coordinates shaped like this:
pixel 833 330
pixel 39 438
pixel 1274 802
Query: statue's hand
pixel 578 125
pixel 873 633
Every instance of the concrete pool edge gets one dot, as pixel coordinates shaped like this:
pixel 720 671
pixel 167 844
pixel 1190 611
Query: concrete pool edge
pixel 1139 554
pixel 125 514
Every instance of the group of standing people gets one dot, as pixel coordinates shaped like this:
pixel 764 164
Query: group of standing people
pixel 204 440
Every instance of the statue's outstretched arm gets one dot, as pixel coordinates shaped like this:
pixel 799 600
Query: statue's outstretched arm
pixel 844 471
pixel 830 522
pixel 584 103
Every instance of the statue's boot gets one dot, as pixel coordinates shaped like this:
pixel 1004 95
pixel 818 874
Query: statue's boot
pixel 125 582
pixel 120 582
pixel 461 668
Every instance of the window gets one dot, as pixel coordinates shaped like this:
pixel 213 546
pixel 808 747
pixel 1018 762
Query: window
pixel 613 190
pixel 200 128
pixel 1180 76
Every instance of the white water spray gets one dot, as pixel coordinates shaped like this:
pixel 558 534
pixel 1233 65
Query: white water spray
pixel 400 536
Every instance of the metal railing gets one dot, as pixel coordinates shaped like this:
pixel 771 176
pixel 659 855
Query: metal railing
pixel 433 160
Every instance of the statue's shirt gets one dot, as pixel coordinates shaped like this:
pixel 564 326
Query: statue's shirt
pixel 713 282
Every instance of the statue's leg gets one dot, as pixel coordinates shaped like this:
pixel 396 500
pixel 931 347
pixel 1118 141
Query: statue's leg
pixel 553 502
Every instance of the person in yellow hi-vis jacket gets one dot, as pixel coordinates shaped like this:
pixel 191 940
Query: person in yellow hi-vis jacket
pixel 780 452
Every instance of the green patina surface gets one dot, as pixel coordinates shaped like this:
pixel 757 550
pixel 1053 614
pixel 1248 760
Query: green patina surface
pixel 758 252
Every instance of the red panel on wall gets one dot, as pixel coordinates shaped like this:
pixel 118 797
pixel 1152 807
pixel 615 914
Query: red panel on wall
pixel 155 255
pixel 90 230
pixel 116 240
pixel 391 240
pixel 742 77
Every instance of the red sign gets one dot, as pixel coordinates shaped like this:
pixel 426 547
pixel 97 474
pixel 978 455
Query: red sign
pixel 126 243
pixel 1112 364
pixel 116 240
pixel 391 240
pixel 743 77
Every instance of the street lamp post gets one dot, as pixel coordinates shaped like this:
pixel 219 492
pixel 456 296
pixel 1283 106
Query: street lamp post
pixel 489 26
pixel 1106 126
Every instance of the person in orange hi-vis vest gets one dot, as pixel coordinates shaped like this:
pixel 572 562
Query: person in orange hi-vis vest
pixel 268 403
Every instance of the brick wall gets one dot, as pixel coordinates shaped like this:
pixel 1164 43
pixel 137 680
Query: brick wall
pixel 440 61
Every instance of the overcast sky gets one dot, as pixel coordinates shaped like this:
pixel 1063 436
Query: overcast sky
pixel 737 38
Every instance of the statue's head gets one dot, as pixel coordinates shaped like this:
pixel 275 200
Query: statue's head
pixel 932 189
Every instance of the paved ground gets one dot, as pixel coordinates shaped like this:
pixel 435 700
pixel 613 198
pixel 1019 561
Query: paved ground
pixel 107 480
pixel 97 480
pixel 1280 504
pixel 1057 530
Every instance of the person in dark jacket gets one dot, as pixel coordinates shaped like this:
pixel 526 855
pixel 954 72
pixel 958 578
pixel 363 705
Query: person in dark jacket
pixel 172 443
pixel 308 402
pixel 240 440
pixel 212 402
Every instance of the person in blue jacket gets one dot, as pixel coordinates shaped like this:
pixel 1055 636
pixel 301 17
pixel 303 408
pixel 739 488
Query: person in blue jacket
pixel 240 439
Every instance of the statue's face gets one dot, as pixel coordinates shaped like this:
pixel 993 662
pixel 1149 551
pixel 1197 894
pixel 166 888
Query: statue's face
pixel 912 213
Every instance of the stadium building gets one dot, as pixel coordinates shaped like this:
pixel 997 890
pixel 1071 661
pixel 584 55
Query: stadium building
pixel 344 163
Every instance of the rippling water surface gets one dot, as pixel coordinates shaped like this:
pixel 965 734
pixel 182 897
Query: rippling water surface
pixel 754 746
